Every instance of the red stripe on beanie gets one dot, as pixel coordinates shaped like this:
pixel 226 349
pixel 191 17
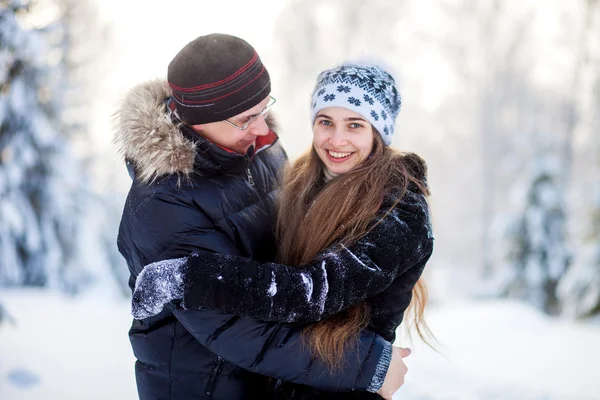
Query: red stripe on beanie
pixel 184 102
pixel 218 83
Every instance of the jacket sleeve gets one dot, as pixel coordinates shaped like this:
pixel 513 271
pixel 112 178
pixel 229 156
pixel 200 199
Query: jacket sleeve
pixel 337 279
pixel 276 350
pixel 254 345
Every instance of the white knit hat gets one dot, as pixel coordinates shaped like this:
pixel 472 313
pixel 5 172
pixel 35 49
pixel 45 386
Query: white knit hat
pixel 366 89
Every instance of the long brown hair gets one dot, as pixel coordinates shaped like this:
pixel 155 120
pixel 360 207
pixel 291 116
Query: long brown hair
pixel 314 214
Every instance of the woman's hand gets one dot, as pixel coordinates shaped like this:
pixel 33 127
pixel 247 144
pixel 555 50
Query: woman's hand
pixel 395 374
pixel 158 284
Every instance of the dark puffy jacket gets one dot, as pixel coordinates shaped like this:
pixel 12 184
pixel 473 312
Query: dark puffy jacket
pixel 381 268
pixel 187 195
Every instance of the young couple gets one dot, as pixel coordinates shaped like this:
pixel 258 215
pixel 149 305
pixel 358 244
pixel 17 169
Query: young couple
pixel 253 279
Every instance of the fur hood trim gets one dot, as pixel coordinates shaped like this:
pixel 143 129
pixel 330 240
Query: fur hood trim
pixel 146 134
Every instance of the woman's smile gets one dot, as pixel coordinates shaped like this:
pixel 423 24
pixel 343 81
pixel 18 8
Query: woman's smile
pixel 339 157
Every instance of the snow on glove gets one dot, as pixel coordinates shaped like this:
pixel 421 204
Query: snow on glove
pixel 158 284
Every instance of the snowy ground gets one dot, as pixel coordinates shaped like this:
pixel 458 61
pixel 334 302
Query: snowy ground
pixel 61 348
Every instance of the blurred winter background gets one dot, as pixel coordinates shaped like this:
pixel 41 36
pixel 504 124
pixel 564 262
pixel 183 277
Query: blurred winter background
pixel 502 98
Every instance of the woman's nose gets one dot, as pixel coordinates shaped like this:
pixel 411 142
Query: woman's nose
pixel 338 138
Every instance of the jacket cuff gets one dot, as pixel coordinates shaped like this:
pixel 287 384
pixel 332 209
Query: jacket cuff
pixel 381 369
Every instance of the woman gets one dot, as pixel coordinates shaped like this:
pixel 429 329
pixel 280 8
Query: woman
pixel 353 227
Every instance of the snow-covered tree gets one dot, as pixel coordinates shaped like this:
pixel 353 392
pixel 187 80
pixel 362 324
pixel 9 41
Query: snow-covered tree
pixel 592 305
pixel 538 252
pixel 51 224
pixel 580 289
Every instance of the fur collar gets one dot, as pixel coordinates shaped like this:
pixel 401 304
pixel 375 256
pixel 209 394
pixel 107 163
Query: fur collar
pixel 146 134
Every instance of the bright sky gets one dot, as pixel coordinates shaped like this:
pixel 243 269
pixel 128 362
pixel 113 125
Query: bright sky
pixel 150 33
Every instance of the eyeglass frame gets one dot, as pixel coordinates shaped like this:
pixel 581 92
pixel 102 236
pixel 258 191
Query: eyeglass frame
pixel 262 113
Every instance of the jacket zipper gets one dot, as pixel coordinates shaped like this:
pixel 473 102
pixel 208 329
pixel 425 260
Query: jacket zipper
pixel 213 378
pixel 250 178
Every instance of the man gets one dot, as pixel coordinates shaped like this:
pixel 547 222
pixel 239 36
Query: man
pixel 205 165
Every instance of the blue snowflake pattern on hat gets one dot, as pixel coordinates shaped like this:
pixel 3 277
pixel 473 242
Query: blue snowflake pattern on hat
pixel 373 114
pixel 368 99
pixel 329 97
pixel 356 72
pixel 373 80
pixel 342 88
pixel 354 101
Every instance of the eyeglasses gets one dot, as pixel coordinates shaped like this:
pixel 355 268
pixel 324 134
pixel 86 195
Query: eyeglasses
pixel 263 113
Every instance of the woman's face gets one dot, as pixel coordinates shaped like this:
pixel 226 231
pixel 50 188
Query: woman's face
pixel 342 138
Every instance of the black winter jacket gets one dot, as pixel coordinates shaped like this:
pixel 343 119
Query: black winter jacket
pixel 187 195
pixel 381 268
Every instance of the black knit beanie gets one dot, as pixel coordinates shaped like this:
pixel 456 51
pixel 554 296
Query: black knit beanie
pixel 216 77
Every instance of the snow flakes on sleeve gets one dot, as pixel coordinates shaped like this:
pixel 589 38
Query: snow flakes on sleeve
pixel 273 287
pixel 308 285
pixel 324 288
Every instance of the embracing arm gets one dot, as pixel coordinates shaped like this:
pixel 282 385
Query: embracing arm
pixel 250 344
pixel 277 350
pixel 335 281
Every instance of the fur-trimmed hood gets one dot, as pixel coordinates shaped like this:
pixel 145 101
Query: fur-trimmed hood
pixel 147 135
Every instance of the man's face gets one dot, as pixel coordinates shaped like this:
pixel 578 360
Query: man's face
pixel 232 138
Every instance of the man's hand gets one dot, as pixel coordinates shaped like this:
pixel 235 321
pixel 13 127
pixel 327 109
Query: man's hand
pixel 396 372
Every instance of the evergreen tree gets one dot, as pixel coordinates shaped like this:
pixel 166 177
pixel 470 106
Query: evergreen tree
pixel 580 289
pixel 48 234
pixel 539 254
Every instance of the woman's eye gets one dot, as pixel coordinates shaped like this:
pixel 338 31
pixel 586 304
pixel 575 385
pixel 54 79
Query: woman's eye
pixel 325 122
pixel 355 125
